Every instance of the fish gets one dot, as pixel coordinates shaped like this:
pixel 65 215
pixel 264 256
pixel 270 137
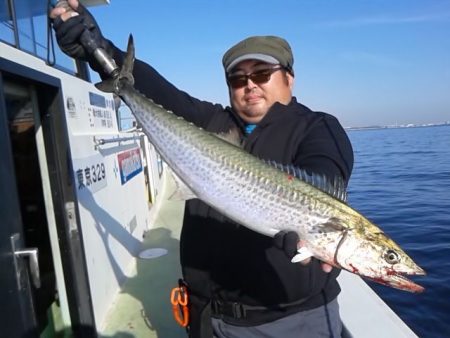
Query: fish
pixel 264 197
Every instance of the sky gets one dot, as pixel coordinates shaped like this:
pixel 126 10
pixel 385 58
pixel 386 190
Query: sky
pixel 368 62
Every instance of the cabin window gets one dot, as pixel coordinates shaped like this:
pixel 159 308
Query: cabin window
pixel 6 24
pixel 24 25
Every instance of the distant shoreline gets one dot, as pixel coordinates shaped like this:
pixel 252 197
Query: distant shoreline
pixel 447 123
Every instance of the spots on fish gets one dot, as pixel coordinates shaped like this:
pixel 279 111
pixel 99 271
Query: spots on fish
pixel 316 229
pixel 293 196
pixel 228 179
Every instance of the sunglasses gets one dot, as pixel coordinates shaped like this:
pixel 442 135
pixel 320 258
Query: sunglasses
pixel 257 77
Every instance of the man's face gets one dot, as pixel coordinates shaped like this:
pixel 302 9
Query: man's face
pixel 252 101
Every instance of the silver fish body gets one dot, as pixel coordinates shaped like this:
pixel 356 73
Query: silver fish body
pixel 265 198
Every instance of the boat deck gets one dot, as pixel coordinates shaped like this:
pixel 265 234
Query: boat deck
pixel 142 307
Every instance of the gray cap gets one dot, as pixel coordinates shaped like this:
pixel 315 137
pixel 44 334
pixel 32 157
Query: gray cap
pixel 270 49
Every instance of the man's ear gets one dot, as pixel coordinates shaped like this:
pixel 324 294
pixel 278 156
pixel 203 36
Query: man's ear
pixel 291 80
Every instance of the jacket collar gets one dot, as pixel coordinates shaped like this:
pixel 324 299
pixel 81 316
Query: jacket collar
pixel 278 111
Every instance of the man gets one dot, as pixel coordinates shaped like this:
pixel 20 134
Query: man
pixel 241 283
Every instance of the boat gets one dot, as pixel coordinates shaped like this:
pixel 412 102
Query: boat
pixel 89 238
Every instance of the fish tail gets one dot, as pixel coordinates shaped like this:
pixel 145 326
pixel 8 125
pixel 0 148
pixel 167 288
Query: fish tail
pixel 112 85
pixel 128 63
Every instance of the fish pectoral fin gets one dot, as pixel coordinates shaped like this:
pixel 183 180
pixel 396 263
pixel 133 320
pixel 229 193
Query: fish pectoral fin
pixel 303 253
pixel 334 224
pixel 182 191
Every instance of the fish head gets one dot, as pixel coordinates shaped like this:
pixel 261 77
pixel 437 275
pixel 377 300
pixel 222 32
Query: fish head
pixel 369 253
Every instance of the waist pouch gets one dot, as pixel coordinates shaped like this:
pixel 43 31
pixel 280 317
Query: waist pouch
pixel 200 318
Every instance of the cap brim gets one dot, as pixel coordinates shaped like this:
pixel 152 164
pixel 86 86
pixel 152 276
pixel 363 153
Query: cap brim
pixel 255 56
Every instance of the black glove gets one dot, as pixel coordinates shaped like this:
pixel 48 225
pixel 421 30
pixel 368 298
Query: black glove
pixel 287 241
pixel 68 35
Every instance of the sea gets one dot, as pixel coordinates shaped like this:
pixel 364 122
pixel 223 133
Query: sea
pixel 401 181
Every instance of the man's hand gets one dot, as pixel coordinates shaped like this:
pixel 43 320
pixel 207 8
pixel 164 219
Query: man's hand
pixel 65 12
pixel 289 242
pixel 70 20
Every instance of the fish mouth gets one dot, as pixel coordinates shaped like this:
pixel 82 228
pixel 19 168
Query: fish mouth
pixel 399 281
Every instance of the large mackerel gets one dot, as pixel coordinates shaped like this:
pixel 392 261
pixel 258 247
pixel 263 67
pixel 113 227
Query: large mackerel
pixel 263 197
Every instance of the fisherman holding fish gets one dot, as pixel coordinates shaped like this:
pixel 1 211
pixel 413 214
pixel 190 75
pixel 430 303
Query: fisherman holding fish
pixel 242 283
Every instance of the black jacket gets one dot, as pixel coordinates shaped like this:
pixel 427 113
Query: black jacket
pixel 226 261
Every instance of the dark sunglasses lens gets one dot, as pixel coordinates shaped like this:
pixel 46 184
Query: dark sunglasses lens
pixel 260 77
pixel 237 81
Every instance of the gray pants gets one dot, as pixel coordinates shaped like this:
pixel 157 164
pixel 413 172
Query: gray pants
pixel 321 322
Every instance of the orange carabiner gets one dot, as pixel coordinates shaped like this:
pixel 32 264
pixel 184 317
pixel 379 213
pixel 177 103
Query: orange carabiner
pixel 179 300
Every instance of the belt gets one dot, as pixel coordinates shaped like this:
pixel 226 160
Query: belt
pixel 232 309
pixel 238 310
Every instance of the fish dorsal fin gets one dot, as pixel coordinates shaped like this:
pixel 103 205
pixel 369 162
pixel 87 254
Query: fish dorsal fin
pixel 126 72
pixel 335 188
pixel 232 136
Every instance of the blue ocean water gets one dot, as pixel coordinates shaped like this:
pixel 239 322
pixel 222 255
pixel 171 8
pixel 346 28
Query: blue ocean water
pixel 401 181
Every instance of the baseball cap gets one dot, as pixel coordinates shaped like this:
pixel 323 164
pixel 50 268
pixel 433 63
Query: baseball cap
pixel 270 49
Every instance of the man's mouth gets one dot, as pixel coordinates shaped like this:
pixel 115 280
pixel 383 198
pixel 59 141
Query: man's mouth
pixel 252 98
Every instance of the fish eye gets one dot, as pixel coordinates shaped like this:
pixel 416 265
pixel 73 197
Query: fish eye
pixel 391 257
